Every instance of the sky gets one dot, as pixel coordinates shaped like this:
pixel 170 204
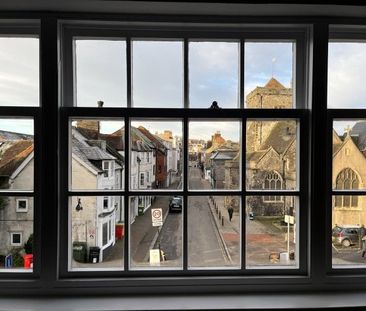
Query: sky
pixel 157 69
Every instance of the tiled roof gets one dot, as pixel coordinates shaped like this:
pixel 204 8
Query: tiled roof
pixel 154 139
pixel 6 136
pixel 12 154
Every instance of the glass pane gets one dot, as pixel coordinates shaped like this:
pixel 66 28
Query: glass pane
pixel 349 163
pixel 346 75
pixel 348 231
pixel 157 74
pixel 214 232
pixel 269 74
pixel 101 73
pixel 97 233
pixel 19 71
pixel 271 155
pixel 16 154
pixel 97 154
pixel 16 234
pixel 272 232
pixel 156 232
pixel 213 74
pixel 156 156
pixel 214 155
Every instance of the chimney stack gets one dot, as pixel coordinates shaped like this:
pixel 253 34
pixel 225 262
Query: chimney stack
pixel 91 125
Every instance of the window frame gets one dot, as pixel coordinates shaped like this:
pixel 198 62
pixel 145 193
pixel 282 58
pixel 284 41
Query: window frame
pixel 341 33
pixel 12 238
pixel 28 29
pixel 21 210
pixel 276 33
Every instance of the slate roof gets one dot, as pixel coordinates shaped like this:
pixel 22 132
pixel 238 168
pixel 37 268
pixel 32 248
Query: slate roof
pixel 12 155
pixel 256 155
pixel 281 136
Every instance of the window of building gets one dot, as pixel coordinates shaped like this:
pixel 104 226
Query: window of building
pixel 16 239
pixel 22 205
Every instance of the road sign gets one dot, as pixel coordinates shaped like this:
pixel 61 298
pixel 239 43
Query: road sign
pixel 289 219
pixel 157 217
pixel 154 256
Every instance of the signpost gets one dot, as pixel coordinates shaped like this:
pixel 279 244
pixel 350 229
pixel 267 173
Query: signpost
pixel 157 217
pixel 289 220
pixel 157 221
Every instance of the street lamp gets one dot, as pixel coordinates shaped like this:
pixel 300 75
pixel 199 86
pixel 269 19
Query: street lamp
pixel 79 207
pixel 138 172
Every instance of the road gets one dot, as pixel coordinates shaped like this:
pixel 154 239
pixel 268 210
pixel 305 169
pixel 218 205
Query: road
pixel 205 248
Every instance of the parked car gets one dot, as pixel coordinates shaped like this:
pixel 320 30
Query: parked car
pixel 346 235
pixel 175 204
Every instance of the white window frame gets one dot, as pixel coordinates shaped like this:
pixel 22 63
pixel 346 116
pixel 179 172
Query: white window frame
pixel 12 238
pixel 22 210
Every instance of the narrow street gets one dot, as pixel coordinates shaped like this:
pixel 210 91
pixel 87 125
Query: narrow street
pixel 205 248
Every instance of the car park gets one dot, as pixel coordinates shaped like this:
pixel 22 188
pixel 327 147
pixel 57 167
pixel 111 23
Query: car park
pixel 175 204
pixel 346 235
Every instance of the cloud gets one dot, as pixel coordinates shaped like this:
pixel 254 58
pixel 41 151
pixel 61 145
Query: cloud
pixel 101 73
pixel 230 130
pixel 23 126
pixel 347 75
pixel 213 74
pixel 19 72
pixel 260 67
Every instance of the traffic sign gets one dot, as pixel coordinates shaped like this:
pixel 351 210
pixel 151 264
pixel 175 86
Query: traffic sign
pixel 157 217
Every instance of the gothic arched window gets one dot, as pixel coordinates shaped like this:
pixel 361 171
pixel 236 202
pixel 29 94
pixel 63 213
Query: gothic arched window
pixel 347 179
pixel 272 181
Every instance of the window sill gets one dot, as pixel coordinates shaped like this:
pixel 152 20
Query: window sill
pixel 263 301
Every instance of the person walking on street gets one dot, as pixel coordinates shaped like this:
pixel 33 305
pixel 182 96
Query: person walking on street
pixel 230 211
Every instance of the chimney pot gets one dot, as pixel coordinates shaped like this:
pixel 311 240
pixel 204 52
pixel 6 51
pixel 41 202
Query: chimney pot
pixel 100 103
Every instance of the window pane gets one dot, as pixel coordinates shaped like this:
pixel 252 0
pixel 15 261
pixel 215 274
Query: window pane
pixel 19 71
pixel 213 74
pixel 16 154
pixel 271 155
pixel 349 163
pixel 101 73
pixel 157 74
pixel 348 231
pixel 96 237
pixel 214 232
pixel 269 74
pixel 272 232
pixel 346 74
pixel 156 232
pixel 97 154
pixel 214 155
pixel 16 235
pixel 156 155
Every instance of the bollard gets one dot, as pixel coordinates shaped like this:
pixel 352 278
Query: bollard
pixel 222 221
pixel 219 215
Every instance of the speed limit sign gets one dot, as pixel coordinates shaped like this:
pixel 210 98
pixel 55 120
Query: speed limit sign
pixel 157 217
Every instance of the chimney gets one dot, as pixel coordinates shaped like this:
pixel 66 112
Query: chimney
pixel 91 125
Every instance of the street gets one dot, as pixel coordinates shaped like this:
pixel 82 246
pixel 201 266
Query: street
pixel 350 256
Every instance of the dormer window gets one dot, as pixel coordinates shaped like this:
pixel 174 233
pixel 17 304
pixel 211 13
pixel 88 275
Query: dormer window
pixel 108 168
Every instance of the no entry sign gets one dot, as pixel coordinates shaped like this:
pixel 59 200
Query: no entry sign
pixel 157 217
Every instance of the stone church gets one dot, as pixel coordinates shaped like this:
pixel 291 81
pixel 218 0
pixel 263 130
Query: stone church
pixel 271 160
pixel 271 151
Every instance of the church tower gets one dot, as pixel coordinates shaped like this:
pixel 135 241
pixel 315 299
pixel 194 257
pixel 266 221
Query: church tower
pixel 271 96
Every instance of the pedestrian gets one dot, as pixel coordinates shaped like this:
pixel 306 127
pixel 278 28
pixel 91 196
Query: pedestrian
pixel 230 211
pixel 363 240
